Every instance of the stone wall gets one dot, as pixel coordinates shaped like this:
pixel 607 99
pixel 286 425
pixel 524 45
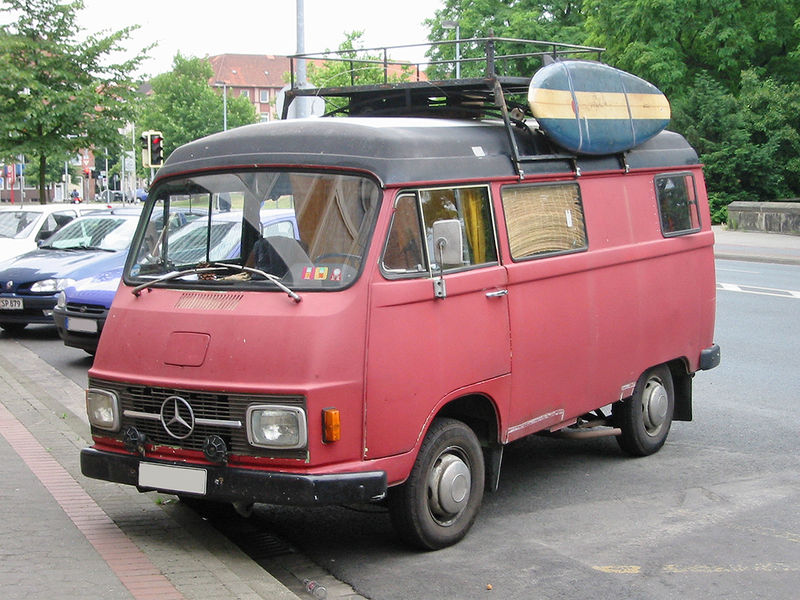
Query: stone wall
pixel 773 217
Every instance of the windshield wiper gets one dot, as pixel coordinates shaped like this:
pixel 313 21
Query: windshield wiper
pixel 85 247
pixel 215 268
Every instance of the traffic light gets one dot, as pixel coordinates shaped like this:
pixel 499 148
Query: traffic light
pixel 156 149
pixel 152 149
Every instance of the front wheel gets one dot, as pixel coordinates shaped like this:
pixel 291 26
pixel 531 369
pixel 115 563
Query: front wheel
pixel 438 503
pixel 645 418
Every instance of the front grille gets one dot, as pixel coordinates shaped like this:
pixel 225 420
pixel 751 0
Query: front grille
pixel 147 401
pixel 85 309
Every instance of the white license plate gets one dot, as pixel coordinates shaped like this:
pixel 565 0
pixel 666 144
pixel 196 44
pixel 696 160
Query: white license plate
pixel 82 325
pixel 11 304
pixel 174 479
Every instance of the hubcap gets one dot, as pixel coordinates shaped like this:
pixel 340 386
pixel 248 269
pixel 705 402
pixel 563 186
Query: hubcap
pixel 655 404
pixel 448 486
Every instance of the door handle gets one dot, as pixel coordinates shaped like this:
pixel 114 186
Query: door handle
pixel 497 294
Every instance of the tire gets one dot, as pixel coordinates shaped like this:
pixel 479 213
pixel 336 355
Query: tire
pixel 13 328
pixel 645 417
pixel 439 502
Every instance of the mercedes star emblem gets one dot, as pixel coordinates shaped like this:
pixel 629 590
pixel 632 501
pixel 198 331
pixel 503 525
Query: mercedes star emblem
pixel 177 417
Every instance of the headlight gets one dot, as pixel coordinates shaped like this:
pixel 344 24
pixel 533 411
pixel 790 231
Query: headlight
pixel 51 286
pixel 278 427
pixel 103 409
pixel 61 301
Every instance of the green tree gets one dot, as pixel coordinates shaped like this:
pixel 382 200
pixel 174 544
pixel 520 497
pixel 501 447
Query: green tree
pixel 59 93
pixel 353 66
pixel 670 42
pixel 184 107
pixel 561 21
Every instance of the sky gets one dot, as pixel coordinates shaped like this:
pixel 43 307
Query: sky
pixel 256 26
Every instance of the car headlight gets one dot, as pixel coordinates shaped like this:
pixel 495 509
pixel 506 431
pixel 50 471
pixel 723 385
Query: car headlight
pixel 61 301
pixel 277 427
pixel 103 409
pixel 51 286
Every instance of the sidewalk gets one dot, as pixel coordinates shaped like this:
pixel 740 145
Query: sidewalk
pixel 66 536
pixel 755 246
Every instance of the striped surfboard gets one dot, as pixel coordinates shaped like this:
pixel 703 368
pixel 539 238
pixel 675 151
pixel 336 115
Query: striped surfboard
pixel 592 108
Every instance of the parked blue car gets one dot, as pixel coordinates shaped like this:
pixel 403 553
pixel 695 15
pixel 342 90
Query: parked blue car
pixel 30 283
pixel 83 306
pixel 81 309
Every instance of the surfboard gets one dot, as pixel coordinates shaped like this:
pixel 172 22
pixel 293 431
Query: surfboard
pixel 592 108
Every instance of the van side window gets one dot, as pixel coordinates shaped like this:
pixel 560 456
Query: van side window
pixel 677 204
pixel 409 246
pixel 404 247
pixel 544 219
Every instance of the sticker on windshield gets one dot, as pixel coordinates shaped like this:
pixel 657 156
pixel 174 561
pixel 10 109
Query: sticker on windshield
pixel 317 273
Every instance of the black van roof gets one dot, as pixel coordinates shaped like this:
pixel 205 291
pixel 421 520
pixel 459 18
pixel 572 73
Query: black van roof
pixel 404 150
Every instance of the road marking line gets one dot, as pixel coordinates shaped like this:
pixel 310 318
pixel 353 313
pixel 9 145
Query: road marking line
pixel 761 291
pixel 700 569
pixel 136 572
pixel 620 569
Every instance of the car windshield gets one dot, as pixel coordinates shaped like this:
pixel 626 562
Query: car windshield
pixel 259 229
pixel 17 223
pixel 105 232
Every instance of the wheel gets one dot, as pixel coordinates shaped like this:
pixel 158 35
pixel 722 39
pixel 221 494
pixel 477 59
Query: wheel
pixel 438 503
pixel 13 327
pixel 645 418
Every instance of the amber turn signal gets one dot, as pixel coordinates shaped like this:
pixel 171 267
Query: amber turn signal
pixel 331 425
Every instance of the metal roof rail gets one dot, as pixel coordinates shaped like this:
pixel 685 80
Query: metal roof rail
pixel 489 92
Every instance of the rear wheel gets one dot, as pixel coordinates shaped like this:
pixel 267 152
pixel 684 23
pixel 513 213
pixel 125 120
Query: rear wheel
pixel 645 418
pixel 438 503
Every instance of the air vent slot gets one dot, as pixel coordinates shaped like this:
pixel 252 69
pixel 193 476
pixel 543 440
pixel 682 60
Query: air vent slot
pixel 208 301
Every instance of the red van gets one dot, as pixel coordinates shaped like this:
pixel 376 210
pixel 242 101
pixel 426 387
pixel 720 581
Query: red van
pixel 454 279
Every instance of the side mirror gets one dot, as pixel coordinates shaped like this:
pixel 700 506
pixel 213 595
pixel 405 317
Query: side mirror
pixel 448 248
pixel 447 242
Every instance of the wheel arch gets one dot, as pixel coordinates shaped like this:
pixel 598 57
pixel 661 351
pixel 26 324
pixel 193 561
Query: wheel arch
pixel 480 414
pixel 476 411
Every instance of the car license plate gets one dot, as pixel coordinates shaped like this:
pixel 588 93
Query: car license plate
pixel 11 304
pixel 174 479
pixel 82 325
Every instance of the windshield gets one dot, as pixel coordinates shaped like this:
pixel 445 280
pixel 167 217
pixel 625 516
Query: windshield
pixel 17 223
pixel 95 233
pixel 306 231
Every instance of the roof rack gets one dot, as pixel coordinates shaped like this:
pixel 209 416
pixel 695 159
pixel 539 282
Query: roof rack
pixel 406 90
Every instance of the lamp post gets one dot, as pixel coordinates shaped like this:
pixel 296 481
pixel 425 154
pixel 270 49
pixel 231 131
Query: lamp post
pixel 224 86
pixel 455 25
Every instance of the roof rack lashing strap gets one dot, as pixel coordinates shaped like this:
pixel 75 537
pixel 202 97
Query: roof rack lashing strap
pixel 623 161
pixel 575 166
pixel 500 101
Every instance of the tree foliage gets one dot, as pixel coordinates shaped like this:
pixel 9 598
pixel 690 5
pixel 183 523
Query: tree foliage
pixel 184 107
pixel 349 65
pixel 560 21
pixel 59 93
pixel 728 67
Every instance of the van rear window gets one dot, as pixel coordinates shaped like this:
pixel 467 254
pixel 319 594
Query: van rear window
pixel 544 219
pixel 677 204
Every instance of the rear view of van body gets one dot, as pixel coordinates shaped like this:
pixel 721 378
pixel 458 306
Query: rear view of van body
pixel 450 283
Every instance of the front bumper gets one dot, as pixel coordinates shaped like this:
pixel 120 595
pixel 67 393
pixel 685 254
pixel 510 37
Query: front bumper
pixel 37 310
pixel 229 484
pixel 85 340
